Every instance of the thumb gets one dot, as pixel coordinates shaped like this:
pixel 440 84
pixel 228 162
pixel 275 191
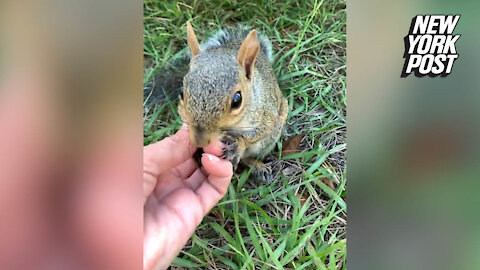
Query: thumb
pixel 219 176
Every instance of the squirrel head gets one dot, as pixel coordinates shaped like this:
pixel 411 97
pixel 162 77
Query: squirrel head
pixel 217 90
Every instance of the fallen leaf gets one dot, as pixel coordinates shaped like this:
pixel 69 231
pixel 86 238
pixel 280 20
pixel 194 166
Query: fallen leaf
pixel 290 45
pixel 302 198
pixel 340 6
pixel 285 31
pixel 292 145
pixel 328 182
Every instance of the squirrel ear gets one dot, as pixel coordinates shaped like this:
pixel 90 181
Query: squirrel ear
pixel 192 40
pixel 248 53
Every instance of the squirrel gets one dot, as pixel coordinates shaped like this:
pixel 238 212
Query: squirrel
pixel 230 93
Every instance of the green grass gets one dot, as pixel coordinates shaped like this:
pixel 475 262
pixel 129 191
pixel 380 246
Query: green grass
pixel 298 221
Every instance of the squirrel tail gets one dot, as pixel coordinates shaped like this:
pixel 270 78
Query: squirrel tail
pixel 237 34
pixel 167 82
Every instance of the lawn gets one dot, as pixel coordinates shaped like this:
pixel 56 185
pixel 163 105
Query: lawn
pixel 299 220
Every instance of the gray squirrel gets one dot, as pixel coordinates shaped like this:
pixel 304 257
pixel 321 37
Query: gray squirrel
pixel 230 93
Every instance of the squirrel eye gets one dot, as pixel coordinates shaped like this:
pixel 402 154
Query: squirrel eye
pixel 236 100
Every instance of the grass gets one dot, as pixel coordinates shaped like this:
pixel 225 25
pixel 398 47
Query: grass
pixel 298 221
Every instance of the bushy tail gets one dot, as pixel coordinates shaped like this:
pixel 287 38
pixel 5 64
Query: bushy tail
pixel 167 82
pixel 237 34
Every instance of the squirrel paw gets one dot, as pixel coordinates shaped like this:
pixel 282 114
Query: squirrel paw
pixel 262 172
pixel 230 151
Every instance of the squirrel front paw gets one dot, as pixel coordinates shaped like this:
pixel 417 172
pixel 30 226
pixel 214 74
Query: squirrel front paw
pixel 230 151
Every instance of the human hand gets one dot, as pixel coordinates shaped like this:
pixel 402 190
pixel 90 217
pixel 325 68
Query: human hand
pixel 178 194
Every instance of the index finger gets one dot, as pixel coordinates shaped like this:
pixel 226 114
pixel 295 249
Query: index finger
pixel 167 153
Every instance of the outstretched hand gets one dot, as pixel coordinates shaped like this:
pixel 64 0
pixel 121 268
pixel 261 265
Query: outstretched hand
pixel 178 194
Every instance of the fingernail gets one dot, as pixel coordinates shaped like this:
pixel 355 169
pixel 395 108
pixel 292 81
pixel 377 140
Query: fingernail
pixel 212 158
pixel 184 125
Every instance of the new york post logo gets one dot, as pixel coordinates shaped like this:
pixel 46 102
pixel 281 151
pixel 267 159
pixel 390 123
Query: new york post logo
pixel 430 46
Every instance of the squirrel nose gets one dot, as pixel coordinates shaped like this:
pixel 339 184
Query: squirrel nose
pixel 201 139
